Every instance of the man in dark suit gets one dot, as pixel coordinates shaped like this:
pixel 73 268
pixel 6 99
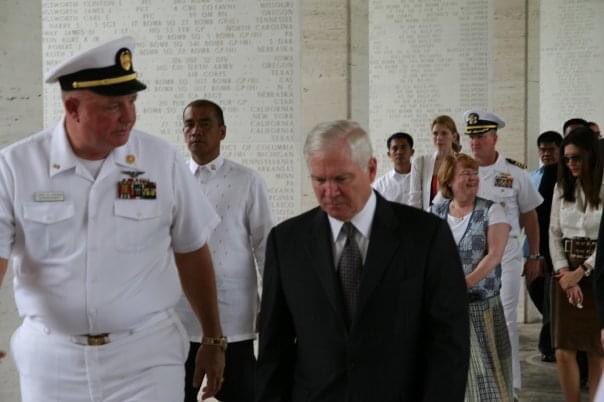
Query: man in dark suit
pixel 538 286
pixel 363 299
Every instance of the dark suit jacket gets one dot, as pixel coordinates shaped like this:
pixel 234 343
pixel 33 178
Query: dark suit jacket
pixel 410 338
pixel 546 189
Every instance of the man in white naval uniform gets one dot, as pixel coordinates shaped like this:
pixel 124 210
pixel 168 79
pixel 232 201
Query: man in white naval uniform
pixel 94 216
pixel 507 182
pixel 394 185
pixel 240 197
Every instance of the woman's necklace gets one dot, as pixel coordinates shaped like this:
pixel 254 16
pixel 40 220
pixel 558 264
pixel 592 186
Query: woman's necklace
pixel 459 213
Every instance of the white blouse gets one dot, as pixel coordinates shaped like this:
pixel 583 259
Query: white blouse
pixel 460 225
pixel 572 219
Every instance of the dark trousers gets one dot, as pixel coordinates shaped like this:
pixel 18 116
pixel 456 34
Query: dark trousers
pixel 239 373
pixel 539 291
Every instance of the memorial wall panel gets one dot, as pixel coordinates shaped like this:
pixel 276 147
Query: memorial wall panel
pixel 242 54
pixel 426 58
pixel 572 62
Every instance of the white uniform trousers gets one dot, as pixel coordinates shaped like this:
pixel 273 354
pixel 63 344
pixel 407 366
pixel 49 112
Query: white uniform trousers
pixel 144 364
pixel 511 276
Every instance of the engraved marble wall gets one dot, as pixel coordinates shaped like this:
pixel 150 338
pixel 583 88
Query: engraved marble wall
pixel 426 58
pixel 20 115
pixel 243 54
pixel 572 67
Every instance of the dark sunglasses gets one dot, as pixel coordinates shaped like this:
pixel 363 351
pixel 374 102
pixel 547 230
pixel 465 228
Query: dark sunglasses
pixel 574 158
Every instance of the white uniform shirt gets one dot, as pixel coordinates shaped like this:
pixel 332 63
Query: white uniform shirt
pixel 572 219
pixel 238 243
pixel 507 184
pixel 394 186
pixel 85 261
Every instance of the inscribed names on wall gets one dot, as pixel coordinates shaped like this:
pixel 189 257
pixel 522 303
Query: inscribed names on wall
pixel 572 62
pixel 426 58
pixel 242 54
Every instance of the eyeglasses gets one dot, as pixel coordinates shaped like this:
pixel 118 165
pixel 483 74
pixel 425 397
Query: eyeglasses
pixel 572 158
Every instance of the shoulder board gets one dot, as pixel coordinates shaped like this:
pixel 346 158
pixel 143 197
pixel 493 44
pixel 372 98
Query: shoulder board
pixel 516 163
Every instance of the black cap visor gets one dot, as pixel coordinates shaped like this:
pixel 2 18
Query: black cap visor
pixel 125 88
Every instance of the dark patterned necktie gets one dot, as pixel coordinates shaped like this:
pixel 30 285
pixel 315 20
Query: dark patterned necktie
pixel 349 270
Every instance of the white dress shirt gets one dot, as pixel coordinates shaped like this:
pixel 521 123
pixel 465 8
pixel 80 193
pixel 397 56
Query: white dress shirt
pixel 84 260
pixel 422 170
pixel 237 245
pixel 572 219
pixel 394 186
pixel 362 222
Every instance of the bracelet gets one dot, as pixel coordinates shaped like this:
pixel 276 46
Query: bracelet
pixel 536 257
pixel 586 269
pixel 220 342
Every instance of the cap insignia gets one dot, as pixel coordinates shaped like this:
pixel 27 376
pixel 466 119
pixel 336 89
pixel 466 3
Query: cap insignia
pixel 472 119
pixel 125 59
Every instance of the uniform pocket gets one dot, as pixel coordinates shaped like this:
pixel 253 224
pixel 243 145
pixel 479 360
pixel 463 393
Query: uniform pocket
pixel 137 223
pixel 48 227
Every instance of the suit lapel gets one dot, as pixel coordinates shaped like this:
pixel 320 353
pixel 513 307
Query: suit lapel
pixel 384 241
pixel 320 252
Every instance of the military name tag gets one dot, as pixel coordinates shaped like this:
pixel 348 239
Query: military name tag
pixel 49 196
pixel 504 180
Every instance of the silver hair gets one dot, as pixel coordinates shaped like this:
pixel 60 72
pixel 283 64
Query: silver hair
pixel 324 135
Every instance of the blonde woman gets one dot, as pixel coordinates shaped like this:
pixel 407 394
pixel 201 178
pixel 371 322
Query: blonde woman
pixel 424 180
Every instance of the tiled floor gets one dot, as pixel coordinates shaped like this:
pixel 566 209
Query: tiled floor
pixel 540 381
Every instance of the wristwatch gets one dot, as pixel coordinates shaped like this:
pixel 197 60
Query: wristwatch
pixel 220 342
pixel 537 257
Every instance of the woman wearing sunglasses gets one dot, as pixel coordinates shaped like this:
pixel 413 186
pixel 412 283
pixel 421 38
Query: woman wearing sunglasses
pixel 575 219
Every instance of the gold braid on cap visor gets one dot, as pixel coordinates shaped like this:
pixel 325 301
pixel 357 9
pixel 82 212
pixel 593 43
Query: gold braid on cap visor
pixel 105 82
pixel 481 128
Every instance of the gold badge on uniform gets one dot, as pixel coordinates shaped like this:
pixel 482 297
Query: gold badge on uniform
pixel 135 187
pixel 504 180
pixel 130 159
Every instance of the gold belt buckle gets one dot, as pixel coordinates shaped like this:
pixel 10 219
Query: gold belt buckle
pixel 567 246
pixel 97 340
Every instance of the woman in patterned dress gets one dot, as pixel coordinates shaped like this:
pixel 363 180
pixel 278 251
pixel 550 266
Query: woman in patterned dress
pixel 480 229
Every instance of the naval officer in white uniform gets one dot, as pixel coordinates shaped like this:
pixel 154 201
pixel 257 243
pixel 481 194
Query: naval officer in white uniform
pixel 507 182
pixel 94 216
